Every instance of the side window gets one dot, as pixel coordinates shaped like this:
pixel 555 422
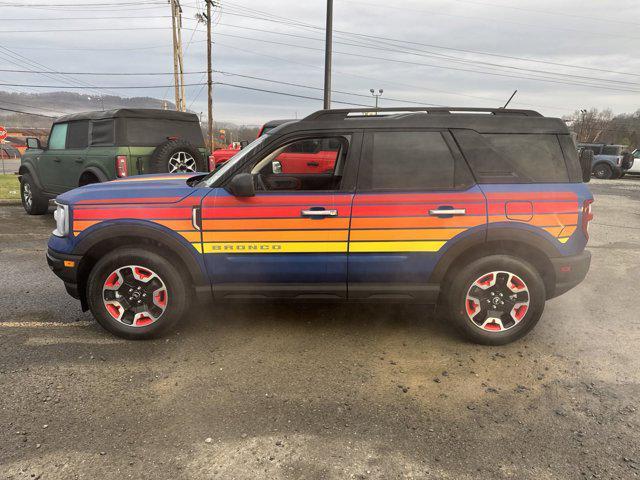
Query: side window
pixel 411 160
pixel 78 135
pixel 58 137
pixel 102 132
pixel 307 164
pixel 535 156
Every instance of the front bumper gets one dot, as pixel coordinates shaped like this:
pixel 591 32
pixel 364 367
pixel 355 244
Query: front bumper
pixel 570 271
pixel 65 267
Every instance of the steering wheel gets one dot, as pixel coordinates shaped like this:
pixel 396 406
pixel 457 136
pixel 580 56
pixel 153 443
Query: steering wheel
pixel 259 182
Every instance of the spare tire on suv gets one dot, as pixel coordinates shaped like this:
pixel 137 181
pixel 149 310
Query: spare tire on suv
pixel 176 156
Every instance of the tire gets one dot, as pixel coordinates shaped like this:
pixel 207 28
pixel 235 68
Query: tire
pixel 176 156
pixel 603 171
pixel 146 272
pixel 33 201
pixel 469 290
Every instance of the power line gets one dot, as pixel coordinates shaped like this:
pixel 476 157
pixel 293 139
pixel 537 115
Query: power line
pixel 377 38
pixel 560 14
pixel 407 62
pixel 101 4
pixel 25 113
pixel 589 32
pixel 2 100
pixel 428 54
pixel 244 87
pixel 49 19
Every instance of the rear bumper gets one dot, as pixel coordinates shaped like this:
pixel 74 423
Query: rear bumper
pixel 570 271
pixel 65 267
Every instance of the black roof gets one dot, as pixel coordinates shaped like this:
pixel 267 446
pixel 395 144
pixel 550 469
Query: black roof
pixel 276 123
pixel 482 120
pixel 154 113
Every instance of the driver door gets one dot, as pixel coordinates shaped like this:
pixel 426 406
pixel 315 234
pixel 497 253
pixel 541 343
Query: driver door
pixel 290 239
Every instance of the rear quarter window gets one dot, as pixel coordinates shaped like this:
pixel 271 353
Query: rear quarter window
pixel 149 132
pixel 513 158
pixel 536 156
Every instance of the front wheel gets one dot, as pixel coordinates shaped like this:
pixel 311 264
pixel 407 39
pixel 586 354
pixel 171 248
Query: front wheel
pixel 33 202
pixel 136 294
pixel 496 300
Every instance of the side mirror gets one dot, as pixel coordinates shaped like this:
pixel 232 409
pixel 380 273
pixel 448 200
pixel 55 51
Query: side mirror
pixel 276 167
pixel 33 143
pixel 242 185
pixel 586 164
pixel 243 144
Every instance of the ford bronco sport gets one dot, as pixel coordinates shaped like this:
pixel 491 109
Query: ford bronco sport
pixel 96 147
pixel 481 211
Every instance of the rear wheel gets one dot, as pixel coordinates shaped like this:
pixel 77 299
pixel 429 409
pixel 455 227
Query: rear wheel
pixel 603 171
pixel 176 156
pixel 33 201
pixel 496 300
pixel 136 294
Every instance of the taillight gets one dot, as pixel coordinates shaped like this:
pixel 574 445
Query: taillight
pixel 122 169
pixel 212 163
pixel 587 216
pixel 619 160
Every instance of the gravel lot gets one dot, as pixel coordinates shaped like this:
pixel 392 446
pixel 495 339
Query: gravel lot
pixel 323 392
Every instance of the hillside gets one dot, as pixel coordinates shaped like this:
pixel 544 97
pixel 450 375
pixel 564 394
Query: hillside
pixel 59 103
pixel 55 104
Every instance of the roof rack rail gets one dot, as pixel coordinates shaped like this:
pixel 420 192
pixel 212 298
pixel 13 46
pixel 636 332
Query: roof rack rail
pixel 342 113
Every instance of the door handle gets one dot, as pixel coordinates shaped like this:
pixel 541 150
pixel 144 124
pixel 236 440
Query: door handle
pixel 57 160
pixel 447 211
pixel 319 213
pixel 312 164
pixel 79 160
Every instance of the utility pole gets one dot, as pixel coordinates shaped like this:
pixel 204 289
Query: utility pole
pixel 328 50
pixel 376 95
pixel 178 71
pixel 583 113
pixel 209 79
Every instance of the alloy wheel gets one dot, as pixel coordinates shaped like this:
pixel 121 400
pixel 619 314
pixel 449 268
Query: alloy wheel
pixel 27 195
pixel 182 162
pixel 135 296
pixel 497 301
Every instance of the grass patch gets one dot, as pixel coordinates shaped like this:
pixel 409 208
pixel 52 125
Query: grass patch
pixel 9 187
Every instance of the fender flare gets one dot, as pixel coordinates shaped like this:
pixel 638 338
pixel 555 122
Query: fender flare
pixel 28 168
pixel 109 231
pixel 491 235
pixel 612 165
pixel 99 174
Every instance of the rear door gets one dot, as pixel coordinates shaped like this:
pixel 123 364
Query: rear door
pixel 415 197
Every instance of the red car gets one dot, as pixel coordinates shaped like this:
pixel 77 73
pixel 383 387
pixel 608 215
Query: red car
pixel 316 156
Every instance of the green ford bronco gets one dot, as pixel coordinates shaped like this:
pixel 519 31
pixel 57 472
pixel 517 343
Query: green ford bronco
pixel 100 146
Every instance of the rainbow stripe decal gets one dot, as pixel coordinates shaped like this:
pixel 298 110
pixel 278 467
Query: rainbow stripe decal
pixel 365 223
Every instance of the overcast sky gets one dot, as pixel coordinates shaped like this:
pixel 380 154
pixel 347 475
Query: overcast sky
pixel 425 51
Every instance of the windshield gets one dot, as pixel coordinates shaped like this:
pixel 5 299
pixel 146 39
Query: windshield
pixel 214 176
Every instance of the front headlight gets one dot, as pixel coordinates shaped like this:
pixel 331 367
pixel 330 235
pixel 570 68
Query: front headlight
pixel 62 220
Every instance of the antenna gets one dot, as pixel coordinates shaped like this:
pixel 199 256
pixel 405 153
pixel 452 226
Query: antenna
pixel 510 98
